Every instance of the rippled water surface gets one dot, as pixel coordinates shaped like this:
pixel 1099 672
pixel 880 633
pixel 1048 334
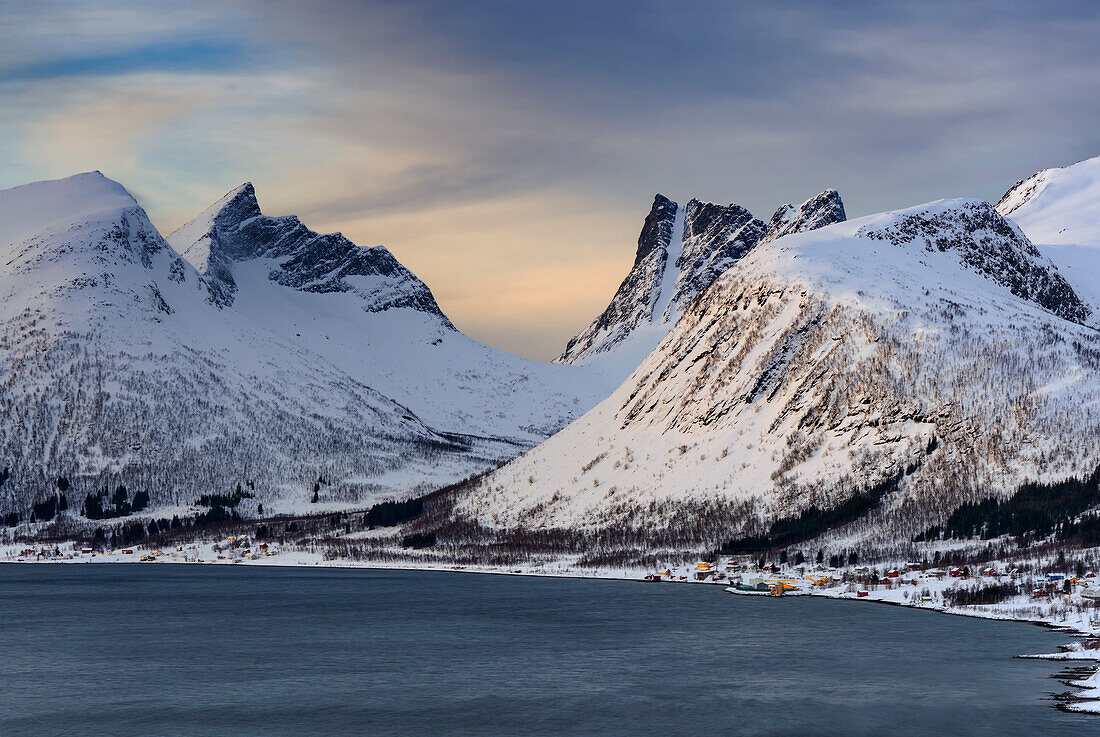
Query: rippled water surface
pixel 162 650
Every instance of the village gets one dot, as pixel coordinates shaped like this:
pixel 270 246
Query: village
pixel 1024 590
pixel 230 550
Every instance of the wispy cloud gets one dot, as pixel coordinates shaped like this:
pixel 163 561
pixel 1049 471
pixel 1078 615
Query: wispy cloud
pixel 507 151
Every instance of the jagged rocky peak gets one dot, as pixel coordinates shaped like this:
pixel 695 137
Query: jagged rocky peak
pixel 987 244
pixel 681 250
pixel 715 238
pixel 234 230
pixel 716 231
pixel 817 212
pixel 657 228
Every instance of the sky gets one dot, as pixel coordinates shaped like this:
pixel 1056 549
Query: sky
pixel 507 152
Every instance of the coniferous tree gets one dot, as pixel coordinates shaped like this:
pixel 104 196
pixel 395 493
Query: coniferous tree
pixel 141 501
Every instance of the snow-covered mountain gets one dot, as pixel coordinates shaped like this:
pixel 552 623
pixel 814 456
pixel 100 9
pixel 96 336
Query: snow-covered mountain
pixel 932 352
pixel 1059 210
pixel 373 319
pixel 681 251
pixel 123 363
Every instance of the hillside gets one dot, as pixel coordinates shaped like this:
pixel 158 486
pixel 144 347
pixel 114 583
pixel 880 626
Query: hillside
pixel 925 356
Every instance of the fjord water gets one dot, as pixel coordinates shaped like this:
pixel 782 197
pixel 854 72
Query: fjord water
pixel 168 650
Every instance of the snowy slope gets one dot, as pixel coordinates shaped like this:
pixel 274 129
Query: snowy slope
pixel 934 344
pixel 681 251
pixel 121 363
pixel 372 318
pixel 1059 210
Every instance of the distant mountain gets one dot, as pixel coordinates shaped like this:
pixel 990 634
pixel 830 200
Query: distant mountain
pixel 370 316
pixel 916 358
pixel 270 354
pixel 681 251
pixel 234 230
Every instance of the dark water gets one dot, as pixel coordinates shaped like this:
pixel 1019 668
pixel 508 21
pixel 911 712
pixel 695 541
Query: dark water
pixel 208 651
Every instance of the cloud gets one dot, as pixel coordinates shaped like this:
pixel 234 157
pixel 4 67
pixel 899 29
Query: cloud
pixel 508 151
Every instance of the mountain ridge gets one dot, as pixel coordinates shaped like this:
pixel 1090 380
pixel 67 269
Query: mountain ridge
pixel 891 349
pixel 681 251
pixel 122 364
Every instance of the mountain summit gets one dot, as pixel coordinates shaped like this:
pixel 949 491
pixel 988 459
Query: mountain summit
pixel 681 251
pixel 234 229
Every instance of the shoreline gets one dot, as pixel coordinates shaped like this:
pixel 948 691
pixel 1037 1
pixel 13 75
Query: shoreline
pixel 631 576
pixel 1085 700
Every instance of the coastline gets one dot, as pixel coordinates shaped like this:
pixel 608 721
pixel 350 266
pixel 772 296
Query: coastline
pixel 1085 700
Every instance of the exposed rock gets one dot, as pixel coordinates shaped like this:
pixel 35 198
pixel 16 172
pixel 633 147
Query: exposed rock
pixel 816 212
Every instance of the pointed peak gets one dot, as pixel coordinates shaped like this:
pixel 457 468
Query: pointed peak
pixel 238 204
pixel 820 210
pixel 657 228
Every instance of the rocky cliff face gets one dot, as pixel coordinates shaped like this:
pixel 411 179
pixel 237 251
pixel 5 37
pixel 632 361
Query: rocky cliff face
pixel 988 244
pixel 234 230
pixel 715 238
pixel 681 251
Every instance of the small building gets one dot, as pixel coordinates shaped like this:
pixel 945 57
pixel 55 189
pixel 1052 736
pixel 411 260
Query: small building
pixel 893 573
